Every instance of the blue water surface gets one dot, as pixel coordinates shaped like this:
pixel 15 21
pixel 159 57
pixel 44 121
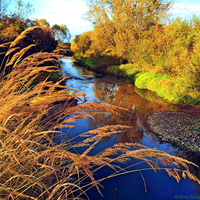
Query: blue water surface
pixel 129 186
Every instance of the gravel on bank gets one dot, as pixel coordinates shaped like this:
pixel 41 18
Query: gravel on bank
pixel 181 130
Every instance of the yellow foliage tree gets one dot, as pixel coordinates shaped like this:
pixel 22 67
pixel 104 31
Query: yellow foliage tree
pixel 41 22
pixel 122 21
pixel 81 43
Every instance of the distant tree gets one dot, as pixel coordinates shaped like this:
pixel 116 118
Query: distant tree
pixel 10 27
pixel 135 13
pixel 3 7
pixel 41 22
pixel 12 23
pixel 23 10
pixel 61 32
pixel 81 43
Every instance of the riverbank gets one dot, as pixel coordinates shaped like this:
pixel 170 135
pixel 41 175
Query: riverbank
pixel 180 129
pixel 174 89
pixel 120 92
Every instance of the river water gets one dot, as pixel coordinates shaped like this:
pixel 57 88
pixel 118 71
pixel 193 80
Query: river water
pixel 121 92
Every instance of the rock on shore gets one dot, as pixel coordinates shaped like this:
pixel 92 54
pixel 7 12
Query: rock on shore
pixel 182 130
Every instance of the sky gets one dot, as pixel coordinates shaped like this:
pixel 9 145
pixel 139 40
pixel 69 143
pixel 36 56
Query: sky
pixel 69 12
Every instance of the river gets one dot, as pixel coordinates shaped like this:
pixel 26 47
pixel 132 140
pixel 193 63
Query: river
pixel 121 92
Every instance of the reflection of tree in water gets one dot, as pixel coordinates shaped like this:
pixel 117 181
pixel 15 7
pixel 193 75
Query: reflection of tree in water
pixel 124 95
pixel 83 71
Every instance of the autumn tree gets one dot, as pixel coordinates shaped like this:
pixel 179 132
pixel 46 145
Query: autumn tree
pixel 10 27
pixel 61 32
pixel 123 21
pixel 3 7
pixel 12 23
pixel 138 14
pixel 41 22
pixel 81 43
pixel 23 10
pixel 103 39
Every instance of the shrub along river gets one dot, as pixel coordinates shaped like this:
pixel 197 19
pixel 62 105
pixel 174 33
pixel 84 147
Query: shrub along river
pixel 121 92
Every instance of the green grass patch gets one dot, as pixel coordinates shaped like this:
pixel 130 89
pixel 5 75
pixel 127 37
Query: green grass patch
pixel 99 75
pixel 125 70
pixel 197 128
pixel 96 63
pixel 86 62
pixel 113 70
pixel 165 86
pixel 188 99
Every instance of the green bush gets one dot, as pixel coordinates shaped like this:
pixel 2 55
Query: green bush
pixel 99 75
pixel 88 63
pixel 124 70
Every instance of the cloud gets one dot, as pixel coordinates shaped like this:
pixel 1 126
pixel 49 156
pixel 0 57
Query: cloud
pixel 65 12
pixel 183 9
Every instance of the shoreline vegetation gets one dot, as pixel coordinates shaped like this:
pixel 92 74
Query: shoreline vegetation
pixel 163 58
pixel 180 129
pixel 163 85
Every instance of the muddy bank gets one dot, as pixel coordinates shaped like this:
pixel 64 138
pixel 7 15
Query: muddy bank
pixel 180 129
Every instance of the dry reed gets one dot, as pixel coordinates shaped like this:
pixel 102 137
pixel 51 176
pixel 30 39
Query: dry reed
pixel 31 165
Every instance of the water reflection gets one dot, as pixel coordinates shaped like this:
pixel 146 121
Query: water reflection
pixel 123 94
pixel 139 103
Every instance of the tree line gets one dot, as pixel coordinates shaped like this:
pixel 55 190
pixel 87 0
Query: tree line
pixel 142 34
pixel 15 21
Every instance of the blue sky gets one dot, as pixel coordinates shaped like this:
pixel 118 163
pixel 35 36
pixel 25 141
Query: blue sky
pixel 186 8
pixel 69 12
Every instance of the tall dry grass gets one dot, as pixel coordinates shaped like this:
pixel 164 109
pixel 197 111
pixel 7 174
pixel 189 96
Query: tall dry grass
pixel 32 166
